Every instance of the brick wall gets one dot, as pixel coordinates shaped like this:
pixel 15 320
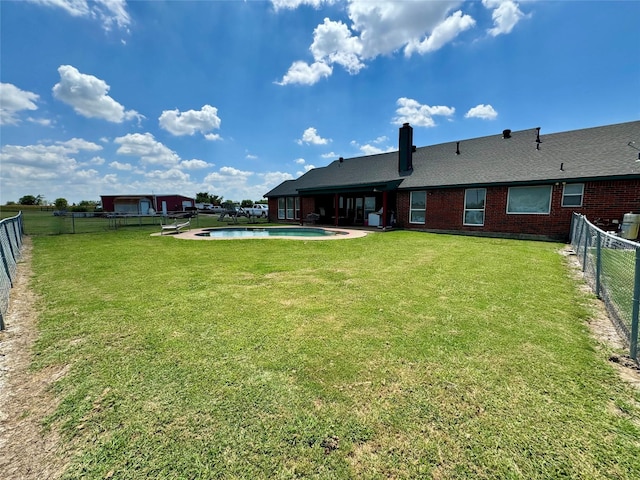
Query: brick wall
pixel 307 206
pixel 606 201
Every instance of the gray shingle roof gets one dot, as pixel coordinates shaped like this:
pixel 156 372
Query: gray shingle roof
pixel 592 153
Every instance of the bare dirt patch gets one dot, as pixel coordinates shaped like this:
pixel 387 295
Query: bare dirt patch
pixel 27 450
pixel 603 329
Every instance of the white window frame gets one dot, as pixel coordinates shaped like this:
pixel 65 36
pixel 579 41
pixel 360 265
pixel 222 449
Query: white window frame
pixel 281 208
pixel 290 208
pixel 540 187
pixel 466 209
pixel 422 210
pixel 565 195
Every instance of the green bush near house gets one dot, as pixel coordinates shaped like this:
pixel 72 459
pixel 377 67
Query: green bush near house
pixel 397 355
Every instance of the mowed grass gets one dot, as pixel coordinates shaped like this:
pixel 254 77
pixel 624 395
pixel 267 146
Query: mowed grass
pixel 398 355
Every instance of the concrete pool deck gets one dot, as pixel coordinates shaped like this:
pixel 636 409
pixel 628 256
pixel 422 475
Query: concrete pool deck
pixel 192 234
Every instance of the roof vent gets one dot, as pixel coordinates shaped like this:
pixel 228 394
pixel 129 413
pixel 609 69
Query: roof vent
pixel 506 133
pixel 341 159
pixel 457 148
pixel 538 135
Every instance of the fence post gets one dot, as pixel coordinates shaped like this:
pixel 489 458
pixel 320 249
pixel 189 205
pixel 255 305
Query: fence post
pixel 598 261
pixel 586 238
pixel 633 350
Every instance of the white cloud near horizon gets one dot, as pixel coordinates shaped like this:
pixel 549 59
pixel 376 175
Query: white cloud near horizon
pixel 485 112
pixel 195 164
pixel 121 166
pixel 88 96
pixel 188 123
pixel 418 115
pixel 14 100
pixel 147 149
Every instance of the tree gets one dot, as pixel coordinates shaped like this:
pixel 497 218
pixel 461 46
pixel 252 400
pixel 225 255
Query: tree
pixel 216 200
pixel 202 197
pixel 28 200
pixel 89 204
pixel 61 203
pixel 246 203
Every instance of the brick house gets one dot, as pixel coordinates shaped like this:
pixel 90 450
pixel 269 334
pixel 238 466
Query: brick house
pixel 514 184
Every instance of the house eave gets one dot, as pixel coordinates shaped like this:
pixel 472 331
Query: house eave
pixel 388 185
pixel 548 181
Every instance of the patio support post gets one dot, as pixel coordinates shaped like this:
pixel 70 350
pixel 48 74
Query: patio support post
pixel 385 198
pixel 337 209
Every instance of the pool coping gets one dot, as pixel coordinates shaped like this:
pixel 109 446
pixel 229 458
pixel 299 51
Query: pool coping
pixel 192 234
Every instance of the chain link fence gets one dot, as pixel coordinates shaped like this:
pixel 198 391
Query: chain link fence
pixel 611 266
pixel 10 249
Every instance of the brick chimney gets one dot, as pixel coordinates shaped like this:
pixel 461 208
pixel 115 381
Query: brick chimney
pixel 405 150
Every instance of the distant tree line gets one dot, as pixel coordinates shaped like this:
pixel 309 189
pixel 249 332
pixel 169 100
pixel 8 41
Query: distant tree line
pixel 205 197
pixel 59 204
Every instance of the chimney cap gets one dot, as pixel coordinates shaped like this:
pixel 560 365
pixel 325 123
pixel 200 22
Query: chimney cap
pixel 506 133
pixel 405 124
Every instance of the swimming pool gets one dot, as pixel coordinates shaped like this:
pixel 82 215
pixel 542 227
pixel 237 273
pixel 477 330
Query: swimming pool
pixel 262 232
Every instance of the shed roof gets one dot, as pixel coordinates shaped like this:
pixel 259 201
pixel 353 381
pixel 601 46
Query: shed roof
pixel 579 155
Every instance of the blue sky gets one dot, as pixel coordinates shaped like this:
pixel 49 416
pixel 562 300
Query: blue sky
pixel 233 97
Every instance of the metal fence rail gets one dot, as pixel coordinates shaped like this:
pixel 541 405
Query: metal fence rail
pixel 611 266
pixel 10 251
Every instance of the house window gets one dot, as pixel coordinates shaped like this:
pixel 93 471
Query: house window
pixel 529 200
pixel 474 199
pixel 281 201
pixel 290 202
pixel 297 208
pixel 417 212
pixel 572 195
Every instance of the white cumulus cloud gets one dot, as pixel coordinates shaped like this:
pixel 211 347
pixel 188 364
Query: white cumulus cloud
pixel 485 112
pixel 109 12
pixel 147 149
pixel 334 43
pixel 14 100
pixel 187 123
pixel 305 74
pixel 442 34
pixel 88 95
pixel 311 137
pixel 383 27
pixel 194 164
pixel 121 166
pixel 293 4
pixel 418 115
pixel 506 14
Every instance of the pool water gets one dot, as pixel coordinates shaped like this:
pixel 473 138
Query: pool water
pixel 255 232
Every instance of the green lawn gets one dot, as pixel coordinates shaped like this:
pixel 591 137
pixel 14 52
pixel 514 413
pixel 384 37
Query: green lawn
pixel 397 355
